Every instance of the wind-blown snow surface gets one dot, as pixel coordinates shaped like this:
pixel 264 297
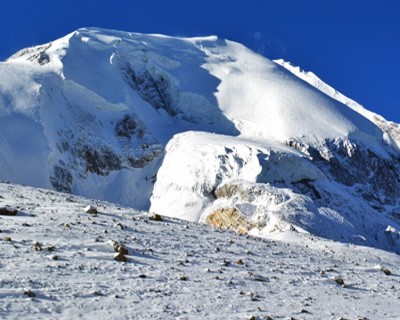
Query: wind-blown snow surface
pixel 187 127
pixel 57 262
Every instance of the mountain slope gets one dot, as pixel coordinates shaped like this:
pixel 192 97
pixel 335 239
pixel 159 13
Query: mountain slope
pixel 391 130
pixel 57 261
pixel 201 129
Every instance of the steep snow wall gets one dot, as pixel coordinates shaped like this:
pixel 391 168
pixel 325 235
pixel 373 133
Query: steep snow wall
pixel 275 187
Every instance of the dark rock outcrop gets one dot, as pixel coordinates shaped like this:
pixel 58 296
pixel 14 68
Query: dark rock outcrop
pixel 155 89
pixel 375 177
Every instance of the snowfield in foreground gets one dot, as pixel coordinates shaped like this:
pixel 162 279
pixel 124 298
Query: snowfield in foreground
pixel 57 262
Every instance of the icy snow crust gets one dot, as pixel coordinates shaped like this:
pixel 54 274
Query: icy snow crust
pixel 162 123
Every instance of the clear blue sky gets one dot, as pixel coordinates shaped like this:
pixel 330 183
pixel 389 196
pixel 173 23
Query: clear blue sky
pixel 353 45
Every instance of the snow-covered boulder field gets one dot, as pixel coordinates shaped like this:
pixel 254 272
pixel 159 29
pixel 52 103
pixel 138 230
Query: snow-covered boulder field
pixel 67 257
pixel 201 129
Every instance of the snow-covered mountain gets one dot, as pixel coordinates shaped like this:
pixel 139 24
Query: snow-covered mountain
pixel 201 129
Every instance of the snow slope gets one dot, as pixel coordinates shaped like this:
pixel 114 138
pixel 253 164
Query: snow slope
pixel 391 129
pixel 197 127
pixel 57 262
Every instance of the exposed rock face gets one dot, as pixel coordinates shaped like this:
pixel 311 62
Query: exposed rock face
pixel 88 154
pixel 230 218
pixel 149 154
pixel 37 54
pixel 61 179
pixel 100 161
pixel 230 190
pixel 375 177
pixel 129 126
pixel 153 88
pixel 139 147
